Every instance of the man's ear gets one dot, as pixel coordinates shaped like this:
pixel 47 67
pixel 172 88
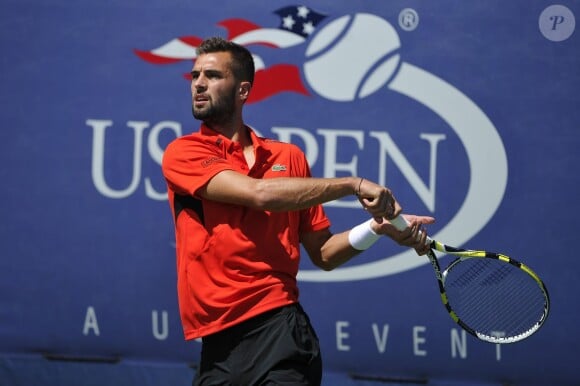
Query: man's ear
pixel 245 88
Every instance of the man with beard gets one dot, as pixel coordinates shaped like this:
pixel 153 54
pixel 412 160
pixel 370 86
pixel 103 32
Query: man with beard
pixel 242 205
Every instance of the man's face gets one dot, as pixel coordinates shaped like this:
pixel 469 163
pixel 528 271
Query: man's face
pixel 213 88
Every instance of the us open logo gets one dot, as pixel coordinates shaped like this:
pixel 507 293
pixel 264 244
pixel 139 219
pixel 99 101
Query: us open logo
pixel 341 67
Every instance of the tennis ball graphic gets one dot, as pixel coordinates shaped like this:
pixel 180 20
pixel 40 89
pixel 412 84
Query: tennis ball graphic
pixel 352 57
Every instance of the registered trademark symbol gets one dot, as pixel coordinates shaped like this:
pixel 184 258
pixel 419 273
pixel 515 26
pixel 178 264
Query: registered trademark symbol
pixel 408 19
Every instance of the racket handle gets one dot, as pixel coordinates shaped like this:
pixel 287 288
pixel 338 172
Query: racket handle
pixel 401 224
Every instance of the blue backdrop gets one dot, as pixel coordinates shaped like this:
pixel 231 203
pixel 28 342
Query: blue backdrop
pixel 468 111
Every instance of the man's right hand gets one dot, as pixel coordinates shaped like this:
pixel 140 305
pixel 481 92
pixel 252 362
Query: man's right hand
pixel 377 200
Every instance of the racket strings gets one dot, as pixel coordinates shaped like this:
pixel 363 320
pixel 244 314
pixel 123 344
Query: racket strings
pixel 493 297
pixel 497 301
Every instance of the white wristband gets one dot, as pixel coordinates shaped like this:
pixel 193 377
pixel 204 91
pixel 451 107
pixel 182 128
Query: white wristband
pixel 362 236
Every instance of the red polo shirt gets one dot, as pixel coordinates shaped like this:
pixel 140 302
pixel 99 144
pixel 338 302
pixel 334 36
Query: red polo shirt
pixel 233 262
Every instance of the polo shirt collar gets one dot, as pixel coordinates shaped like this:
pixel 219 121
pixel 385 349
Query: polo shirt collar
pixel 228 144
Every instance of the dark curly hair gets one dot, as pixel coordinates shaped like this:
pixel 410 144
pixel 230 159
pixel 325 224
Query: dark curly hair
pixel 242 61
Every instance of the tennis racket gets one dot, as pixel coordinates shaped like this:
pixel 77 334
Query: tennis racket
pixel 491 296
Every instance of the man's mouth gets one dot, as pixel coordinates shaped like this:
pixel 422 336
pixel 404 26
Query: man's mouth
pixel 200 100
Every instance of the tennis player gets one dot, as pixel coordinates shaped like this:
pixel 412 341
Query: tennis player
pixel 242 205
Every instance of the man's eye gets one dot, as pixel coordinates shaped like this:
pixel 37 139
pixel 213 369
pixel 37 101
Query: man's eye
pixel 213 75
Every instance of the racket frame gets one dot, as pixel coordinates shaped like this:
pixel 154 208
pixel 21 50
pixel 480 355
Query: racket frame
pixel 401 224
pixel 463 254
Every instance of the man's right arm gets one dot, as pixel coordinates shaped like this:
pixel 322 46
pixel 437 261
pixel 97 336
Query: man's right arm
pixel 296 193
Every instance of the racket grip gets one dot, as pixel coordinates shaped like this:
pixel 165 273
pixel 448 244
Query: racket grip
pixel 401 224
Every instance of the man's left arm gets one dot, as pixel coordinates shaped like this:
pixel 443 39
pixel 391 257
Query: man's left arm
pixel 328 251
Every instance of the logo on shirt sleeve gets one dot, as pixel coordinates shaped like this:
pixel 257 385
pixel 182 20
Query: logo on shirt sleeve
pixel 279 168
pixel 210 161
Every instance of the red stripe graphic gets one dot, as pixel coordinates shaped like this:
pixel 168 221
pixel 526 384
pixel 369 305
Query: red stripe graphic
pixel 276 79
pixel 236 27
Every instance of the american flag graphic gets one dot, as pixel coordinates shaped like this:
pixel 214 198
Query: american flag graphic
pixel 297 23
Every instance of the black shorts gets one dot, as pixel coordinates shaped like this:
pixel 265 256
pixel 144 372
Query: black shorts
pixel 278 347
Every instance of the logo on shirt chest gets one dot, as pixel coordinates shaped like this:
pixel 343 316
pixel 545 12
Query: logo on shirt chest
pixel 278 168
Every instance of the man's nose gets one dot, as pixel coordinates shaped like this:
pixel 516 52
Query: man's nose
pixel 200 83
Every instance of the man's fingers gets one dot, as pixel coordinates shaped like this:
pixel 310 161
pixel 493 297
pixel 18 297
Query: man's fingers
pixel 384 206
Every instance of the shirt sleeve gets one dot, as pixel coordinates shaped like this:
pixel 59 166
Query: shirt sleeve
pixel 190 162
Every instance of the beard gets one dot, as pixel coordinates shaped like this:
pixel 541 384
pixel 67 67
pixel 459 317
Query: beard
pixel 220 110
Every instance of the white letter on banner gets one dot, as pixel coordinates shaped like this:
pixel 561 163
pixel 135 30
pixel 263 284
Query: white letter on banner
pixel 381 340
pixel 98 159
pixel 156 153
pixel 458 344
pixel 388 147
pixel 331 166
pixel 417 340
pixel 91 322
pixel 160 335
pixel 341 335
pixel 310 145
